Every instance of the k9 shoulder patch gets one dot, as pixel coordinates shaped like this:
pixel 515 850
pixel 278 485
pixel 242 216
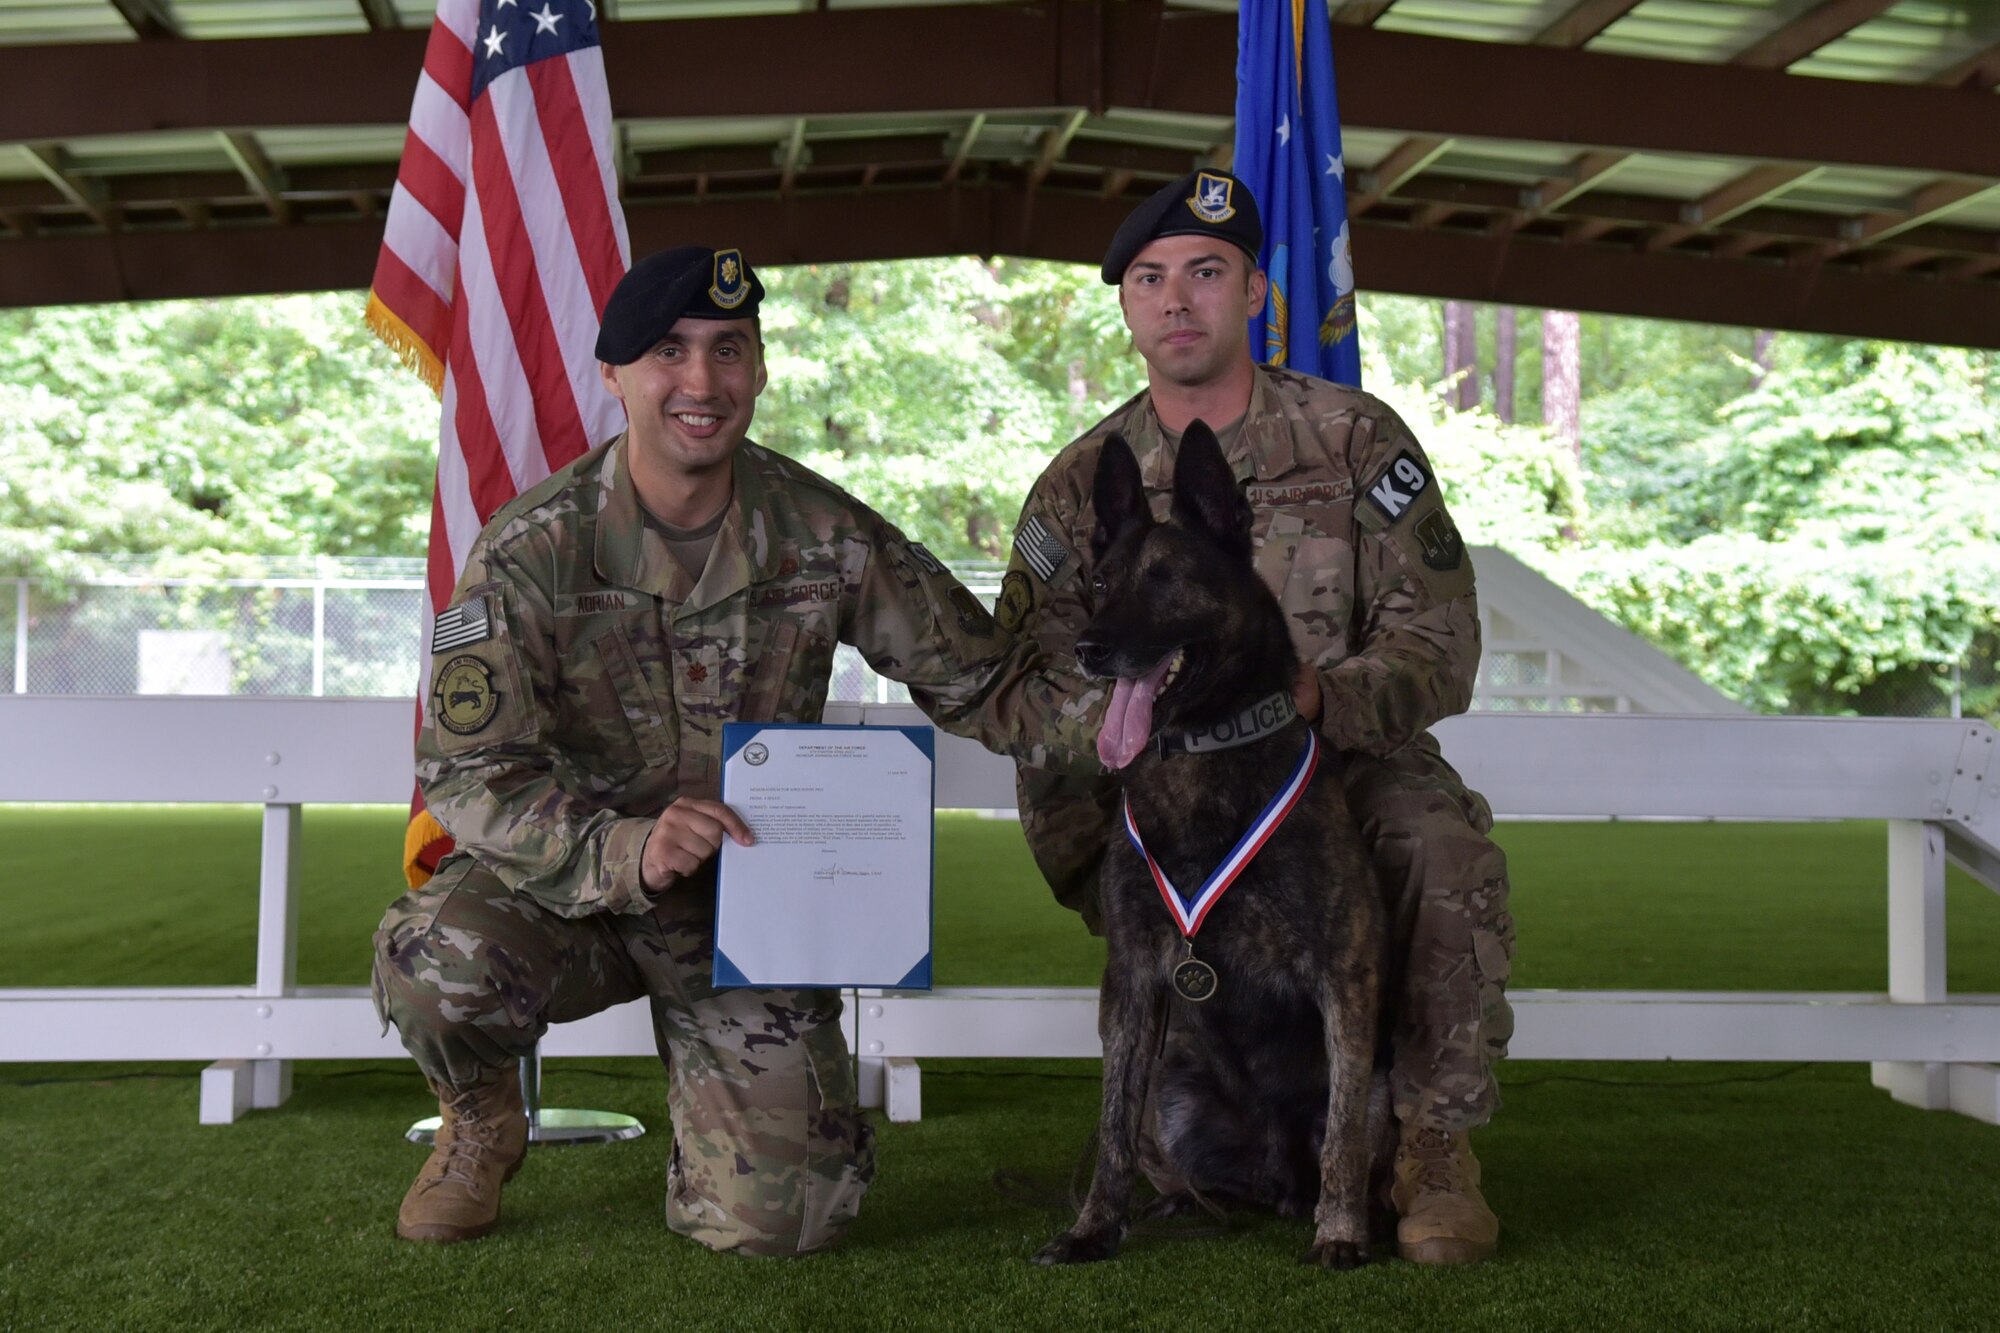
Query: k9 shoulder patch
pixel 1400 484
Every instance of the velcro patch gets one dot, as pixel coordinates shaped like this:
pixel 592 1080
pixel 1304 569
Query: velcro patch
pixel 1017 599
pixel 798 591
pixel 1399 486
pixel 1444 549
pixel 1039 547
pixel 1296 493
pixel 930 563
pixel 468 622
pixel 593 603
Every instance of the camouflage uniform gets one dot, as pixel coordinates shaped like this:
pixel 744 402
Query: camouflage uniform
pixel 1380 596
pixel 580 683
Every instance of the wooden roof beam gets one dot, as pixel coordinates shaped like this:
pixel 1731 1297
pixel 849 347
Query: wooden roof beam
pixel 1753 187
pixel 789 157
pixel 51 162
pixel 1925 206
pixel 150 20
pixel 1583 21
pixel 381 15
pixel 1404 161
pixel 964 150
pixel 807 61
pixel 1359 13
pixel 263 178
pixel 1794 41
pixel 1055 140
pixel 1979 73
pixel 1071 226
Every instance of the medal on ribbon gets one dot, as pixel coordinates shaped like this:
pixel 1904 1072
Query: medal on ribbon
pixel 1193 979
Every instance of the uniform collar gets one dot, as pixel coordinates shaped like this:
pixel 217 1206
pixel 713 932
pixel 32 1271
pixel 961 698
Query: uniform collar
pixel 1262 448
pixel 629 553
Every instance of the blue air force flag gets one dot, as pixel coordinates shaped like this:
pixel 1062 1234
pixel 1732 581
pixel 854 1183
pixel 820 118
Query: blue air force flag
pixel 1288 153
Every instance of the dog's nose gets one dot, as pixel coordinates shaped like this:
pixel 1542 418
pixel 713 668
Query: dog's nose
pixel 1092 656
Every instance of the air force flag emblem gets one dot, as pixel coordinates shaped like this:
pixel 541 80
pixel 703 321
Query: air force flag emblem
pixel 728 289
pixel 1211 198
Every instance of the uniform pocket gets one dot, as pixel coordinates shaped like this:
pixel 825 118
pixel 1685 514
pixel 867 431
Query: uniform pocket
pixel 637 706
pixel 788 682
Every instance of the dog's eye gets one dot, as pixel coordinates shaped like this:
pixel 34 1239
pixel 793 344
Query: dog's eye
pixel 1097 584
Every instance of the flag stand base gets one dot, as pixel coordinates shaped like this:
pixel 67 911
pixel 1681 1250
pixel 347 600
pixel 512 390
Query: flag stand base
pixel 550 1125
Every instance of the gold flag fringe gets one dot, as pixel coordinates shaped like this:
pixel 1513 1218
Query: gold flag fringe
pixel 422 832
pixel 403 341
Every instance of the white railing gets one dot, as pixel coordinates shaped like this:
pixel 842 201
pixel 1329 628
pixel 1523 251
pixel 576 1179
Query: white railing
pixel 1937 782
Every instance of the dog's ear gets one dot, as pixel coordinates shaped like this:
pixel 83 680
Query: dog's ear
pixel 1118 495
pixel 1206 495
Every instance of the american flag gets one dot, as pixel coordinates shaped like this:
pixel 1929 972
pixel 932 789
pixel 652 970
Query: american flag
pixel 503 242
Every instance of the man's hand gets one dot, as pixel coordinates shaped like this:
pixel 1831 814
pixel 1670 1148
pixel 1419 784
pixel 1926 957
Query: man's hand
pixel 1305 692
pixel 686 834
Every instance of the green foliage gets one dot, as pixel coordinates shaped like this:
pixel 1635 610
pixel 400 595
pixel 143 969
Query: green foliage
pixel 253 426
pixel 1818 537
pixel 1507 485
pixel 1827 544
pixel 937 390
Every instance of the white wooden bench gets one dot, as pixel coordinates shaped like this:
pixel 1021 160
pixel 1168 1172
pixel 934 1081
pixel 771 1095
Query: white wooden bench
pixel 1936 782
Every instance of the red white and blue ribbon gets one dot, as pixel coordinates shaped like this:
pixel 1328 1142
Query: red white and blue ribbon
pixel 1189 911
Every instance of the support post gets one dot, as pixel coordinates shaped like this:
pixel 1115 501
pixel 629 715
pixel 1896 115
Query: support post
pixel 225 1091
pixel 905 1090
pixel 319 639
pixel 20 636
pixel 277 938
pixel 1916 953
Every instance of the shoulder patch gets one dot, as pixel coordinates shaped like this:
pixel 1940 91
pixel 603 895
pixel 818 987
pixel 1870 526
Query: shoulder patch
pixel 463 700
pixel 921 554
pixel 1043 551
pixel 973 618
pixel 1444 549
pixel 1017 599
pixel 1399 486
pixel 468 622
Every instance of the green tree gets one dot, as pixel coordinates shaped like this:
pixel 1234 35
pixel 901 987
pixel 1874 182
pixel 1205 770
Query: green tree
pixel 256 426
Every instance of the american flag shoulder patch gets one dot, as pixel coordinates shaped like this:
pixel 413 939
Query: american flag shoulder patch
pixel 468 622
pixel 1040 548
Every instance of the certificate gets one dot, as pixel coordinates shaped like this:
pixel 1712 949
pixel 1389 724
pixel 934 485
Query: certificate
pixel 836 891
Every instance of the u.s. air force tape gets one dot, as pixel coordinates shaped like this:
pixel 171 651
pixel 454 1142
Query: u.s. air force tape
pixel 468 622
pixel 1039 547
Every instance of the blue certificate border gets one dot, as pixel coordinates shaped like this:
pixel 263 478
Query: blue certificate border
pixel 736 735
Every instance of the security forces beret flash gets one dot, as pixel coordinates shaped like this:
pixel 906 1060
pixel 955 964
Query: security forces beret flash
pixel 1201 203
pixel 692 282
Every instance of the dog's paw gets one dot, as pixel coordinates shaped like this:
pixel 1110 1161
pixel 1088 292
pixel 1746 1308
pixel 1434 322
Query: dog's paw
pixel 1074 1248
pixel 1338 1255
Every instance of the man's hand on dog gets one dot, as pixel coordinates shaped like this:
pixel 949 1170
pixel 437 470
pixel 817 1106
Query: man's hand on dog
pixel 685 835
pixel 1305 692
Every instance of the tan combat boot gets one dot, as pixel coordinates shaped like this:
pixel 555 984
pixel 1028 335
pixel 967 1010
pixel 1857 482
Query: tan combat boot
pixel 479 1147
pixel 1441 1216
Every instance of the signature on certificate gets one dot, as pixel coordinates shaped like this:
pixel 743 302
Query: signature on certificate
pixel 828 874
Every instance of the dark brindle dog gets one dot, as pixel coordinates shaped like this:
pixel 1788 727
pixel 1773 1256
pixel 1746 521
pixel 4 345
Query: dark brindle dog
pixel 1244 1108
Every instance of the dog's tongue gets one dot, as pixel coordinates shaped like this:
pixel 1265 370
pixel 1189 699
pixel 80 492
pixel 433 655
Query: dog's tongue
pixel 1128 722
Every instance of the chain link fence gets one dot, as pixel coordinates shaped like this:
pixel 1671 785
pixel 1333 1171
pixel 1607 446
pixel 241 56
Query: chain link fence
pixel 355 627
pixel 350 628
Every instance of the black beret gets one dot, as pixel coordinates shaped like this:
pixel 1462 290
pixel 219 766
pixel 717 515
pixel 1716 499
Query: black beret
pixel 1201 203
pixel 692 282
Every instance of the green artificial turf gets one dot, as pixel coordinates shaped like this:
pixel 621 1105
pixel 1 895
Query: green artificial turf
pixel 1632 1196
